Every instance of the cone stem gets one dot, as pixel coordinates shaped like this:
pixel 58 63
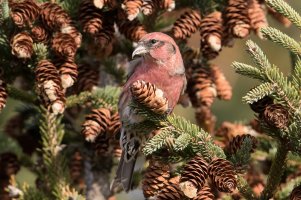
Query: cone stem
pixel 276 172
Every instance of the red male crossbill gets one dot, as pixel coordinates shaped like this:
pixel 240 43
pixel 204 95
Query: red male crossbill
pixel 156 60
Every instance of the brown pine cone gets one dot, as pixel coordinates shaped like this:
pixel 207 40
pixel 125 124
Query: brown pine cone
pixel 9 164
pixel 150 96
pixel 96 124
pixel 87 78
pixel 101 145
pixel 22 45
pixel 53 16
pixel 223 87
pixel 260 105
pixel 24 13
pixel 3 94
pixel 276 115
pixel 115 125
pixel 257 17
pixel 205 118
pixel 155 178
pixel 101 3
pixel 168 5
pixel 222 174
pixel 151 6
pixel 106 36
pixel 90 18
pixel 237 19
pixel 170 192
pixel 68 72
pixel 74 33
pixel 279 17
pixel 194 176
pixel 132 8
pixel 40 34
pixel 211 30
pixel 204 194
pixel 201 88
pixel 296 193
pixel 76 166
pixel 237 142
pixel 132 30
pixel 49 86
pixel 187 24
pixel 64 45
pixel 189 54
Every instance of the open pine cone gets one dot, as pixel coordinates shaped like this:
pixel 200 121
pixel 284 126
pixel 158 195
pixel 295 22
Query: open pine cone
pixel 3 94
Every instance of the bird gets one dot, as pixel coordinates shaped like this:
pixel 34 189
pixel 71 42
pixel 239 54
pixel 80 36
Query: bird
pixel 156 60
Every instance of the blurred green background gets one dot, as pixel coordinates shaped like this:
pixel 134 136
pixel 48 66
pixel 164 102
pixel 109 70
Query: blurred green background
pixel 233 110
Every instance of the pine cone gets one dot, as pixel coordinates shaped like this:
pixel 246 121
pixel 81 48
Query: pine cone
pixel 9 164
pixel 101 145
pixel 168 4
pixel 237 142
pixel 87 78
pixel 189 54
pixel 170 192
pixel 204 194
pixel 296 193
pixel 101 3
pixel 106 36
pixel 115 125
pixel 211 30
pixel 64 46
pixel 132 8
pixel 96 124
pixel 74 33
pixel 90 18
pixel 76 166
pixel 40 34
pixel 279 17
pixel 24 13
pixel 222 174
pixel 3 94
pixel 22 45
pixel 275 115
pixel 201 88
pixel 237 19
pixel 151 6
pixel 260 105
pixel 155 178
pixel 223 87
pixel 187 24
pixel 53 16
pixel 193 176
pixel 257 17
pixel 150 96
pixel 205 118
pixel 49 86
pixel 68 72
pixel 132 30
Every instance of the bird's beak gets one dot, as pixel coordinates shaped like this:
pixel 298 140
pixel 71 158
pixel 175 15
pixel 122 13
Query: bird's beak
pixel 140 50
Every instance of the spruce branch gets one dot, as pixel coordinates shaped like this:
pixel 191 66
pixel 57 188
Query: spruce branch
pixel 247 70
pixel 20 95
pixel 265 89
pixel 41 51
pixel 4 10
pixel 276 172
pixel 156 142
pixel 282 39
pixel 257 55
pixel 285 9
pixel 245 189
pixel 243 155
pixel 285 190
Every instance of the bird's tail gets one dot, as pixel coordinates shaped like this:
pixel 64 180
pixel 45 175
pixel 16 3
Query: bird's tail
pixel 126 165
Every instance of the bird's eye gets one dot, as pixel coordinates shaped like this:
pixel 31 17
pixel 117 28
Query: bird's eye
pixel 153 41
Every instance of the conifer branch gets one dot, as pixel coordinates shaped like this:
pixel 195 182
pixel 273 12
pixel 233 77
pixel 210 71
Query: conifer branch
pixel 247 70
pixel 245 189
pixel 285 190
pixel 259 92
pixel 257 55
pixel 20 95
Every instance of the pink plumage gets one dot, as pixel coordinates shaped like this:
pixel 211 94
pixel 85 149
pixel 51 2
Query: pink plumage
pixel 157 60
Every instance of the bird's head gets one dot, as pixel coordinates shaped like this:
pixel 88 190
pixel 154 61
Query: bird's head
pixel 158 46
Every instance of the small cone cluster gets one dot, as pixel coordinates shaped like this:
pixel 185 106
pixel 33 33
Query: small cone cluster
pixel 3 94
pixel 22 45
pixel 102 128
pixel 238 141
pixel 222 174
pixel 24 13
pixel 237 19
pixel 223 87
pixel 149 96
pixel 132 8
pixel 211 30
pixel 257 17
pixel 151 6
pixel 49 86
pixel 87 78
pixel 186 25
pixel 276 116
pixel 296 193
pixel 155 178
pixel 193 176
pixel 76 169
